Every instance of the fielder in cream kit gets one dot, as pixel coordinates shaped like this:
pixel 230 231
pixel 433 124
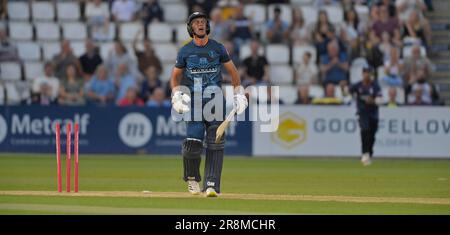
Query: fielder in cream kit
pixel 198 67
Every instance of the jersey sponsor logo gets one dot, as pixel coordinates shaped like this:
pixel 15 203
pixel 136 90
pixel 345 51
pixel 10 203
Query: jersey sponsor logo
pixel 200 70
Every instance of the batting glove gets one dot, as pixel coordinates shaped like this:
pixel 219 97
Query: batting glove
pixel 180 102
pixel 240 103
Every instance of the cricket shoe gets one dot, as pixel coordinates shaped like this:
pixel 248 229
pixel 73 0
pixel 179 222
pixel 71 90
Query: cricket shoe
pixel 211 192
pixel 194 187
pixel 365 159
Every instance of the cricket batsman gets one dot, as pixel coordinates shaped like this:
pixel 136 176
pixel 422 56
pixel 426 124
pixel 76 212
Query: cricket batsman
pixel 368 98
pixel 198 67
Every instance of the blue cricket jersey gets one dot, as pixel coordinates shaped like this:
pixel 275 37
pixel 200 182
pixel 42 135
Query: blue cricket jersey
pixel 201 64
pixel 362 92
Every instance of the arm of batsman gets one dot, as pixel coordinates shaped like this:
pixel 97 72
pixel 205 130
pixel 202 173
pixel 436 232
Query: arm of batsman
pixel 240 103
pixel 180 102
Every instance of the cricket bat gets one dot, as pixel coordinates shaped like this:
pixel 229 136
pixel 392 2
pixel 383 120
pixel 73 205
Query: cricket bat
pixel 221 129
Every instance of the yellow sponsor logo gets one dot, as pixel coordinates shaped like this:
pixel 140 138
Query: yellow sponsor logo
pixel 292 131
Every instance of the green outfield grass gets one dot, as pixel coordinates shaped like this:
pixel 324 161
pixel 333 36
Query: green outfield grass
pixel 422 181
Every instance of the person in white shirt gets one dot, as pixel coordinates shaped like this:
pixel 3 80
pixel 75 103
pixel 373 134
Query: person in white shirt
pixel 306 72
pixel 48 80
pixel 124 10
pixel 97 15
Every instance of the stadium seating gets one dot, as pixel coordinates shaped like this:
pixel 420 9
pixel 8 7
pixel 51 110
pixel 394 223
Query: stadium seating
pixel 128 31
pixel 10 71
pixel 12 94
pixel 277 54
pixel 356 69
pixel 20 31
pixel 281 74
pixel 74 31
pixel 32 70
pixel 181 33
pixel 316 91
pixel 78 48
pixel 310 14
pixel 175 13
pixel 18 10
pixel 407 51
pixel 335 14
pixel 29 51
pixel 43 10
pixel 286 12
pixel 68 11
pixel 46 31
pixel 255 12
pixel 50 49
pixel 288 94
pixel 160 32
pixel 166 52
pixel 298 52
pixel 245 51
pixel 166 72
pixel 105 48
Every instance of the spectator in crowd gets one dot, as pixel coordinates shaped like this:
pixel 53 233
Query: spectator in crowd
pixel 299 32
pixel 306 71
pixel 392 98
pixel 321 3
pixel 219 27
pixel 71 89
pixel 44 96
pixel 64 59
pixel 405 7
pixel 151 11
pixel 374 54
pixel 385 46
pixel 255 68
pixel 124 10
pixel 158 99
pixel 100 89
pixel 130 98
pixel 120 56
pixel 303 95
pixel 393 69
pixel 277 30
pixel 205 5
pixel 8 51
pixel 416 66
pixel 150 83
pixel 90 60
pixel 3 9
pixel 241 28
pixel 390 25
pixel 97 15
pixel 147 57
pixel 350 32
pixel 322 28
pixel 45 88
pixel 329 96
pixel 390 5
pixel 417 27
pixel 229 46
pixel 420 95
pixel 334 66
pixel 124 80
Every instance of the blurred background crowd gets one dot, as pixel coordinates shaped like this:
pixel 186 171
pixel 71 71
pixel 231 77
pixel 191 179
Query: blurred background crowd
pixel 121 52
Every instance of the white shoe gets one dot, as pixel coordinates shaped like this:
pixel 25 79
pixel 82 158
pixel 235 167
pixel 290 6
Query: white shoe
pixel 211 192
pixel 194 187
pixel 365 159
